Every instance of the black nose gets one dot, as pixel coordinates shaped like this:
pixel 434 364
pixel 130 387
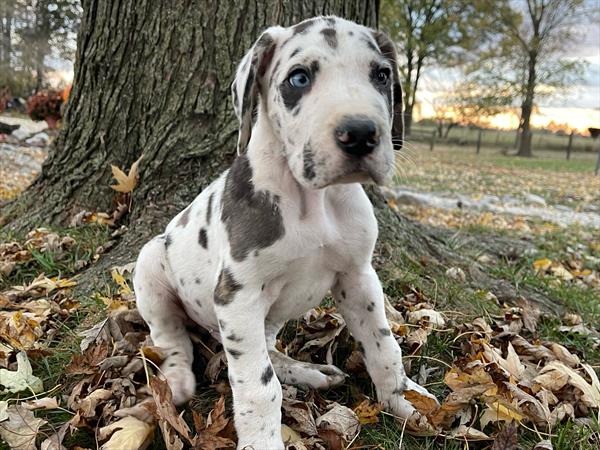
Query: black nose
pixel 357 136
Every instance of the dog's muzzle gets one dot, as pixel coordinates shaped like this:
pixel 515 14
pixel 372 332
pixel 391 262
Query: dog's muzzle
pixel 357 136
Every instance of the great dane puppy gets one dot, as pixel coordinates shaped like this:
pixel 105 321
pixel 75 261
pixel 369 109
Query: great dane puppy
pixel 286 224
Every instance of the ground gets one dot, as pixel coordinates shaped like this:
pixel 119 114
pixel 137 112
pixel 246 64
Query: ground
pixel 503 372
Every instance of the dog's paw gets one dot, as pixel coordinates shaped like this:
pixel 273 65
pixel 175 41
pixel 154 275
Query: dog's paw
pixel 323 376
pixel 182 382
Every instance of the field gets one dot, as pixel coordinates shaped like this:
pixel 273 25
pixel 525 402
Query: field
pixel 82 336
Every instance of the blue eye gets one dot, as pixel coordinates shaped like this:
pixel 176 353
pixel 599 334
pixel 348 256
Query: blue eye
pixel 299 78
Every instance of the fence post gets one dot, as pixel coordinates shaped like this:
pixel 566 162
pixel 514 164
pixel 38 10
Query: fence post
pixel 479 140
pixel 569 145
pixel 432 143
pixel 597 169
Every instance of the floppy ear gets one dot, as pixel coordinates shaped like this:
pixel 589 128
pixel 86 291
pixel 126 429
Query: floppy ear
pixel 246 86
pixel 387 48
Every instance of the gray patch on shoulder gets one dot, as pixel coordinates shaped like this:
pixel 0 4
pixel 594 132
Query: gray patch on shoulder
pixel 185 218
pixel 252 219
pixel 226 288
pixel 308 162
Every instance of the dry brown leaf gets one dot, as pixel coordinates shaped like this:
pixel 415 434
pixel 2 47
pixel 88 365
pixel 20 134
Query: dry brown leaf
pixel 507 438
pixel 500 412
pixel 340 420
pixel 457 379
pixel 165 409
pixel 127 433
pixel 564 355
pixel 301 414
pixel 21 428
pixel 44 403
pixel 469 433
pixel 543 445
pixel 368 412
pixel 422 403
pixel 455 403
pixel 126 183
pixel 210 437
pixel 87 406
pixel 417 338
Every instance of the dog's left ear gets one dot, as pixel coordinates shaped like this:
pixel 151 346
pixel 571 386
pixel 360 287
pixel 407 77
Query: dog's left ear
pixel 388 49
pixel 247 84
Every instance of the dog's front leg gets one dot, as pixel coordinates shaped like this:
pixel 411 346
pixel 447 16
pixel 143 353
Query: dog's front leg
pixel 360 299
pixel 256 389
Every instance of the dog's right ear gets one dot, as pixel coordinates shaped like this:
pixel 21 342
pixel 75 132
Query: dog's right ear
pixel 247 84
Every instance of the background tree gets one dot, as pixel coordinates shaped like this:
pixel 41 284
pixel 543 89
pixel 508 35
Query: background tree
pixel 426 32
pixel 528 57
pixel 153 78
pixel 35 33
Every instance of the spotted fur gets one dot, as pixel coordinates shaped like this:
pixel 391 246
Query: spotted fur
pixel 286 224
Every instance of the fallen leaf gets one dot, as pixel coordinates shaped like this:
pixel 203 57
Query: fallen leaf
pixel 21 428
pixel 543 445
pixel 126 183
pixel 368 412
pixel 340 420
pixel 422 403
pixel 507 438
pixel 41 403
pixel 127 433
pixel 498 412
pixel 22 379
pixel 469 433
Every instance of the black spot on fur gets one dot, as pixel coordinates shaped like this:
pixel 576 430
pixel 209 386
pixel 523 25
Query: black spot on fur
pixel 202 238
pixel 226 289
pixel 267 375
pixel 371 307
pixel 185 218
pixel 234 353
pixel 234 338
pixel 197 280
pixel 330 21
pixel 295 52
pixel 168 241
pixel 330 37
pixel 361 348
pixel 209 208
pixel 222 324
pixel 343 294
pixel 308 163
pixel 385 331
pixel 182 281
pixel 378 344
pixel 252 219
pixel 303 26
pixel 350 33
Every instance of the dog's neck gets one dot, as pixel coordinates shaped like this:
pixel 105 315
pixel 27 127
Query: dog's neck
pixel 272 173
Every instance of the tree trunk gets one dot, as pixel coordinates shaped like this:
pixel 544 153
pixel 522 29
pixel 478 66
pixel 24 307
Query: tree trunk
pixel 6 21
pixel 153 78
pixel 527 109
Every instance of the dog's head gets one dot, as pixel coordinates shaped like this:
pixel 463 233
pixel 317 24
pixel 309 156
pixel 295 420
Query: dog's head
pixel 331 92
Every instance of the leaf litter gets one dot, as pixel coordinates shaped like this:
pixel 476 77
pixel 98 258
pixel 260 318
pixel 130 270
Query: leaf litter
pixel 505 380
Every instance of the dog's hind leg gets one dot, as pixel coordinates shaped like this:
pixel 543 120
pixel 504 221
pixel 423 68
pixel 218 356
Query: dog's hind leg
pixel 160 307
pixel 290 371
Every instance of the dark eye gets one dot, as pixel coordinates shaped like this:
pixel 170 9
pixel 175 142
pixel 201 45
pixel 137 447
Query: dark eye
pixel 299 78
pixel 383 75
